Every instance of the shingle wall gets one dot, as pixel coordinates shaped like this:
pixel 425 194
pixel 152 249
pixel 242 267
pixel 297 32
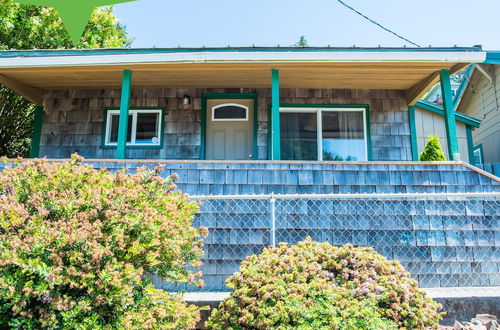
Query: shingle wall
pixel 74 118
pixel 442 243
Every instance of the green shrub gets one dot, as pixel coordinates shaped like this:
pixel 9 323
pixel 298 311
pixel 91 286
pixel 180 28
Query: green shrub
pixel 314 285
pixel 432 151
pixel 77 243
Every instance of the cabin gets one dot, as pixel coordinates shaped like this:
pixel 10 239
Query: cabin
pixel 246 104
pixel 274 121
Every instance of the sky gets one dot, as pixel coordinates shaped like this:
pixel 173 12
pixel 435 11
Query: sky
pixel 222 23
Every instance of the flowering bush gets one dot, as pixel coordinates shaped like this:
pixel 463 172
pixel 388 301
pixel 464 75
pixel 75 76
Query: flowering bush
pixel 77 243
pixel 314 285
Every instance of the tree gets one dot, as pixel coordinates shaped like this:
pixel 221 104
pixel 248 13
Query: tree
pixel 432 150
pixel 302 42
pixel 32 27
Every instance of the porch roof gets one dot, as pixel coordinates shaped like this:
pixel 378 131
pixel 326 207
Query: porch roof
pixel 411 69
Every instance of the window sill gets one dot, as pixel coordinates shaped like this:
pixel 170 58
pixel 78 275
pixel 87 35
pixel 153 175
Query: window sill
pixel 135 147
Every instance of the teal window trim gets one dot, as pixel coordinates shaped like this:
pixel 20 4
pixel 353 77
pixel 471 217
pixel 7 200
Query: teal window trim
pixel 481 152
pixel 470 145
pixel 37 132
pixel 121 148
pixel 162 129
pixel 275 115
pixel 413 133
pixel 449 118
pixel 366 108
pixel 227 96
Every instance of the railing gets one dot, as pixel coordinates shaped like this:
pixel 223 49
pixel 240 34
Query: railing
pixel 447 240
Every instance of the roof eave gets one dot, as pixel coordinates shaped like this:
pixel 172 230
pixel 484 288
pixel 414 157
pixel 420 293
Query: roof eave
pixel 13 60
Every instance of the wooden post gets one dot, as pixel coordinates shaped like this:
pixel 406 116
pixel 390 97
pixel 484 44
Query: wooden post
pixel 449 117
pixel 37 133
pixel 275 116
pixel 121 148
pixel 413 133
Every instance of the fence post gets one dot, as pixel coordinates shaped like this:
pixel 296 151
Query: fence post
pixel 272 200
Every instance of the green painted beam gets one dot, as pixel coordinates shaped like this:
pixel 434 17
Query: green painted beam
pixel 413 133
pixel 470 145
pixel 121 149
pixel 460 117
pixel 449 115
pixel 37 133
pixel 275 116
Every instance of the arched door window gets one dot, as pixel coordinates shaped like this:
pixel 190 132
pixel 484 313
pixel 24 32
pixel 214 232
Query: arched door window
pixel 230 112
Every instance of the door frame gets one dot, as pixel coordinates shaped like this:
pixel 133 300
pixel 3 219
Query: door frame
pixel 227 96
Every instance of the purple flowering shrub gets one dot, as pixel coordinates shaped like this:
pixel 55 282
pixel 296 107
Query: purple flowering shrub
pixel 77 246
pixel 313 285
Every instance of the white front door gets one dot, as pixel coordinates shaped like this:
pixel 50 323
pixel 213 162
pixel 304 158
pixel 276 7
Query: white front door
pixel 229 129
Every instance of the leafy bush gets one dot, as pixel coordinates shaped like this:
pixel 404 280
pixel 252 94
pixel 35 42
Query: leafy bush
pixel 77 246
pixel 314 285
pixel 432 150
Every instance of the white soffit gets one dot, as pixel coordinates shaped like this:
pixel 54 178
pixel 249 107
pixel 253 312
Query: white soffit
pixel 240 57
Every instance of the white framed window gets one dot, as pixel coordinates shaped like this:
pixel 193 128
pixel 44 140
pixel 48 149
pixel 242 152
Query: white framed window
pixel 144 127
pixel 324 134
pixel 230 112
pixel 478 156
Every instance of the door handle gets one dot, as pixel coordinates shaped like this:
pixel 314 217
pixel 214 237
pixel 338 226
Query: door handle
pixel 250 156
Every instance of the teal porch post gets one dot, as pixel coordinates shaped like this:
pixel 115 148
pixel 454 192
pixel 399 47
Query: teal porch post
pixel 275 116
pixel 37 133
pixel 413 133
pixel 121 148
pixel 449 115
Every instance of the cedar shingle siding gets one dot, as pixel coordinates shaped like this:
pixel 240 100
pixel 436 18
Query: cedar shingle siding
pixel 74 118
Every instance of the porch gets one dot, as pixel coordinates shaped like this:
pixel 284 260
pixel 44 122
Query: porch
pixel 306 104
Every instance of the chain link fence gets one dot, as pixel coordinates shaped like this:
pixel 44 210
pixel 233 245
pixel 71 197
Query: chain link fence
pixel 444 240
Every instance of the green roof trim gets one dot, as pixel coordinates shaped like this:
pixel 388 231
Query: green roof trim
pixel 493 57
pixel 463 86
pixel 460 117
pixel 120 51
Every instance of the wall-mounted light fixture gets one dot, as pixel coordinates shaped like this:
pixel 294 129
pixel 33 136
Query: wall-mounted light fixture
pixel 186 100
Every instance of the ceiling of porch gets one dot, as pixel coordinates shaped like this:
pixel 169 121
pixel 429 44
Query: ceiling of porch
pixel 410 71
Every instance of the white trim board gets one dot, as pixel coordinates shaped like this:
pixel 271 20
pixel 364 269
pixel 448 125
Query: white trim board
pixel 240 57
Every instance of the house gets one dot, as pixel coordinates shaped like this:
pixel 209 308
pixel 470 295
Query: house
pixel 256 121
pixel 480 99
pixel 232 104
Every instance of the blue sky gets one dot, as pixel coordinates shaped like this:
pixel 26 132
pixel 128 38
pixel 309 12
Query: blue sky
pixel 194 23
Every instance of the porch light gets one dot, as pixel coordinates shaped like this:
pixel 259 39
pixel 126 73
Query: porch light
pixel 186 100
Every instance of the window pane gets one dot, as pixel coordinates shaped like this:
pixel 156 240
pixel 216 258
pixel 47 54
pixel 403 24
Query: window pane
pixel 343 136
pixel 113 138
pixel 477 157
pixel 230 112
pixel 147 128
pixel 299 136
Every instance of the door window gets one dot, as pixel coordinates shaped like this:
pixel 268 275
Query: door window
pixel 230 112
